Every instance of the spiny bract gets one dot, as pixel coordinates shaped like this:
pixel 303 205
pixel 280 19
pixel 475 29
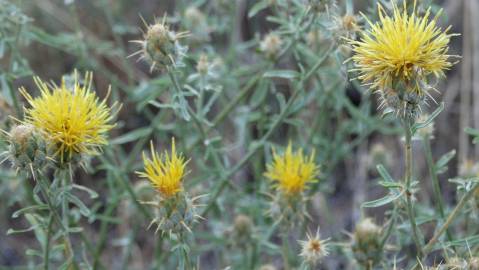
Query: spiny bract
pixel 292 171
pixel 73 118
pixel 165 172
pixel 402 47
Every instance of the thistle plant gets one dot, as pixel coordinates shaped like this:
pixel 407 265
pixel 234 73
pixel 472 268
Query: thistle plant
pixel 248 90
pixel 176 212
pixel 61 128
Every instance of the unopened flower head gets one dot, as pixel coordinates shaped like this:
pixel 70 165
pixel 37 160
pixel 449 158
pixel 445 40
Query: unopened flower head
pixel 292 171
pixel 398 55
pixel 366 244
pixel 242 230
pixel 160 46
pixel 313 249
pixel 28 149
pixel 165 171
pixel 73 118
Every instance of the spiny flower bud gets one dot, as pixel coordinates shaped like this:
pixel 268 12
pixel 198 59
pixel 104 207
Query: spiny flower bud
pixel 271 45
pixel 160 46
pixel 28 149
pixel 366 244
pixel 243 228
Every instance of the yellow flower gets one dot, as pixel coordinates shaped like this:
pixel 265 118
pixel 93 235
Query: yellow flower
pixel 402 47
pixel 292 171
pixel 165 172
pixel 74 119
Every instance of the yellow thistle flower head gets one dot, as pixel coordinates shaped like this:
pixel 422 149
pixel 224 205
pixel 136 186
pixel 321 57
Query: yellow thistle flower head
pixel 165 172
pixel 73 118
pixel 402 48
pixel 292 171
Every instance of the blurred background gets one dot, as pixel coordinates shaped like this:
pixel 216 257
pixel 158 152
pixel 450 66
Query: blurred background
pixel 51 38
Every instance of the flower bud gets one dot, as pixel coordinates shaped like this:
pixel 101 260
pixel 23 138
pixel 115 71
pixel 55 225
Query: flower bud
pixel 242 230
pixel 28 149
pixel 160 44
pixel 366 244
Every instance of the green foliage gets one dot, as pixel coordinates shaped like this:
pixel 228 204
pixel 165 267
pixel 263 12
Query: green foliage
pixel 232 99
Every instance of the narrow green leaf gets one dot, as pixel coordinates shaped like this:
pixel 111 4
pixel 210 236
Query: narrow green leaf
pixel 132 136
pixel 285 74
pixel 382 201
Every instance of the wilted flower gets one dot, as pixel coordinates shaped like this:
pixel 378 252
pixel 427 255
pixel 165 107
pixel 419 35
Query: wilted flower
pixel 313 249
pixel 398 54
pixel 72 118
pixel 271 45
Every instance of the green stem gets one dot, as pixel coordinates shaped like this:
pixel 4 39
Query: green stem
pixel 284 251
pixel 16 104
pixel 46 256
pixel 407 179
pixel 435 181
pixel 53 211
pixel 389 230
pixel 450 218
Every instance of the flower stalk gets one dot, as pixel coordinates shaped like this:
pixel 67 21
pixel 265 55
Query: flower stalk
pixel 407 181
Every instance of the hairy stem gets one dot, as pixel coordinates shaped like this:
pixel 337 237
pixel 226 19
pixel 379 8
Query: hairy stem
pixel 407 180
